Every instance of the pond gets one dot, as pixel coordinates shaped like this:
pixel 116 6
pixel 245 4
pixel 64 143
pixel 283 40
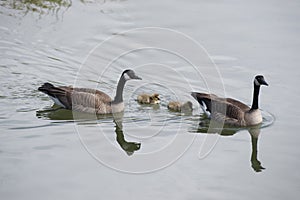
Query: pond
pixel 148 152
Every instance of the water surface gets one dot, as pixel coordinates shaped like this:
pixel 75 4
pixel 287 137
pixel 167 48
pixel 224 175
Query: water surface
pixel 49 152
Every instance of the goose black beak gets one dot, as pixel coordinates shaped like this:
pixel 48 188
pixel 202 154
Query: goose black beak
pixel 263 82
pixel 137 77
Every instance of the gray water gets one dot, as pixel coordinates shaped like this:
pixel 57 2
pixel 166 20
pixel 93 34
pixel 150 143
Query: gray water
pixel 176 47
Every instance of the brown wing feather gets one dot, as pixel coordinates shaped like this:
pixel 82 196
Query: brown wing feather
pixel 101 96
pixel 230 110
pixel 88 100
pixel 239 104
pixel 226 120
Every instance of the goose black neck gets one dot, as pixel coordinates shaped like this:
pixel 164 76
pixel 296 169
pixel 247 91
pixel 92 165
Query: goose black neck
pixel 119 94
pixel 255 97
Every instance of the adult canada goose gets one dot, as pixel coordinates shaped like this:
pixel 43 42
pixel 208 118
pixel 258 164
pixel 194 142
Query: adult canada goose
pixel 148 99
pixel 231 111
pixel 89 100
pixel 180 107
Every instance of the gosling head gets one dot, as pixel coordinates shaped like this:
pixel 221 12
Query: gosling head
pixel 154 99
pixel 187 105
pixel 260 80
pixel 129 74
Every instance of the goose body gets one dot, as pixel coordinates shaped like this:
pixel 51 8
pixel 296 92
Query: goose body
pixel 180 107
pixel 231 111
pixel 148 99
pixel 89 100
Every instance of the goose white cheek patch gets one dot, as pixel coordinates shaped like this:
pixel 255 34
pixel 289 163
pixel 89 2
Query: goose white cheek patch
pixel 256 82
pixel 126 77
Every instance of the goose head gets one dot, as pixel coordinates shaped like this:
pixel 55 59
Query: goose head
pixel 260 80
pixel 129 74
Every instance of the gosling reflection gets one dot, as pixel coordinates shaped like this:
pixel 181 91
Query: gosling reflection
pixel 254 132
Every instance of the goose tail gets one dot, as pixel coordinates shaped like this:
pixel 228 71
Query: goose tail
pixel 57 94
pixel 46 88
pixel 196 96
pixel 51 90
pixel 204 101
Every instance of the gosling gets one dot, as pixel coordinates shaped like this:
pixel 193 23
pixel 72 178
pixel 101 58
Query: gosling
pixel 179 107
pixel 148 99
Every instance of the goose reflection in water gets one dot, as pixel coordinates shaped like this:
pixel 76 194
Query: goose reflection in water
pixel 254 132
pixel 58 113
pixel 256 164
pixel 128 147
